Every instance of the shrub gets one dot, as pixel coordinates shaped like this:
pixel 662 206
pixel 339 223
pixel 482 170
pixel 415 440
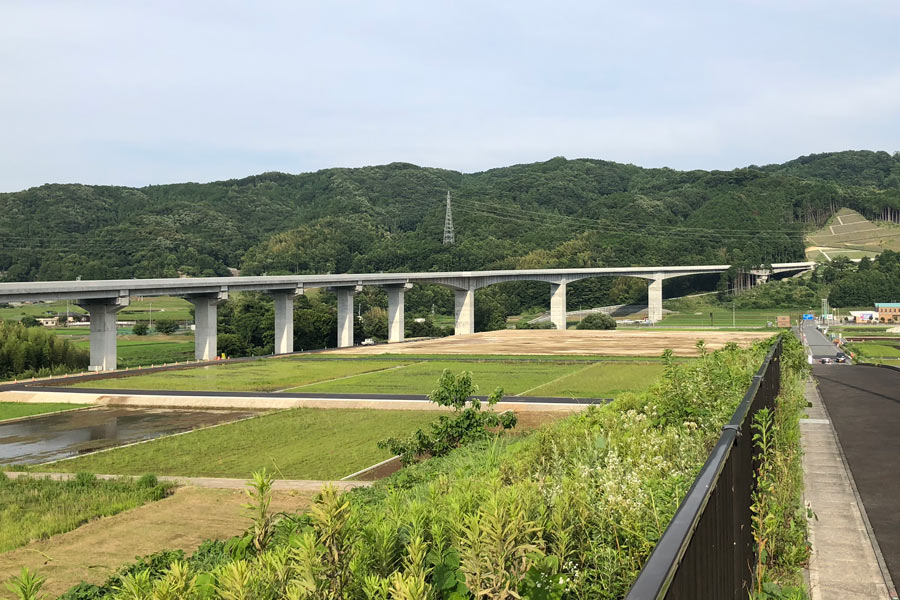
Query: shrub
pixel 166 326
pixel 466 424
pixel 140 328
pixel 148 480
pixel 597 321
pixel 30 321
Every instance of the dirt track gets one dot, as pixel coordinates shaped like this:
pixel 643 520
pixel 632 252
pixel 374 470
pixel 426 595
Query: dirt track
pixel 567 343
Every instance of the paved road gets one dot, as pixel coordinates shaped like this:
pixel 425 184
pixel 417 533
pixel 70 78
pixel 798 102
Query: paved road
pixel 863 403
pixel 819 345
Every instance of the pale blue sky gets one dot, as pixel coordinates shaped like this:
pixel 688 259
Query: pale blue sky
pixel 134 93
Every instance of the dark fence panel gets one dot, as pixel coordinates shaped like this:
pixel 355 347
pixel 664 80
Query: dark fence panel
pixel 707 549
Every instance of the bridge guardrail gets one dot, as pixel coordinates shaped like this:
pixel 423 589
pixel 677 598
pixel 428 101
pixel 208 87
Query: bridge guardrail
pixel 707 549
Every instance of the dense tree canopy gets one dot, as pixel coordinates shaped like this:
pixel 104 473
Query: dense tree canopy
pixel 558 213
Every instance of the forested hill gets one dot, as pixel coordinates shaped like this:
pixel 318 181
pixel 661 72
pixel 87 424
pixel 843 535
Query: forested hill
pixel 555 213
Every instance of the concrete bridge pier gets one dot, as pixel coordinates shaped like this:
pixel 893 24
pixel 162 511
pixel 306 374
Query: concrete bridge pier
pixel 206 323
pixel 103 331
pixel 558 305
pixel 284 320
pixel 464 311
pixel 345 314
pixel 396 311
pixel 654 299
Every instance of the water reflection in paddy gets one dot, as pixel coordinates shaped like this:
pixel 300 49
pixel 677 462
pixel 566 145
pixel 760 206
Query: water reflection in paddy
pixel 60 435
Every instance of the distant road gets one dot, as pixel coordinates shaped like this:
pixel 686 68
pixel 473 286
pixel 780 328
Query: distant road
pixel 819 345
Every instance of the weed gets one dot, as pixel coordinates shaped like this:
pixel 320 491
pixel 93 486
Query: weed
pixel 26 586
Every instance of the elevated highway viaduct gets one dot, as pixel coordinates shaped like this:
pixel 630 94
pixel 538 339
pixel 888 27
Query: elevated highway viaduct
pixel 104 298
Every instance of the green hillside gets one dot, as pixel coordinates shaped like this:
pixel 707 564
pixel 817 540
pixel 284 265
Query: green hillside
pixel 555 213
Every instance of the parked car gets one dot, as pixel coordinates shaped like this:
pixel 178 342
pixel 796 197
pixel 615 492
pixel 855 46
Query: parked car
pixel 367 342
pixel 825 360
pixel 841 358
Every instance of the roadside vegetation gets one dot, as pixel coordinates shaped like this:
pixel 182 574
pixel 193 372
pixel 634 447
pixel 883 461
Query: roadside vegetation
pixel 779 514
pixel 17 410
pixel 569 511
pixel 301 443
pixel 33 507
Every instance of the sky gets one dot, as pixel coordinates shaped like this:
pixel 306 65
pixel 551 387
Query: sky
pixel 139 93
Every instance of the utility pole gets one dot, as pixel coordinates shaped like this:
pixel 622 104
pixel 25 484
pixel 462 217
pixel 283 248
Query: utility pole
pixel 448 223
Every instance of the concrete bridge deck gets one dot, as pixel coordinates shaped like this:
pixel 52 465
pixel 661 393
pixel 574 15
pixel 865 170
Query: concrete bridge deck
pixel 104 298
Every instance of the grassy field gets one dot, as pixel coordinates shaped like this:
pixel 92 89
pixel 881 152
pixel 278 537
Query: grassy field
pixel 302 443
pixel 723 317
pixel 264 375
pixel 601 380
pixel 401 375
pixel 516 378
pixel 17 410
pixel 135 350
pixel 162 307
pixel 869 351
pixel 34 508
pixel 40 309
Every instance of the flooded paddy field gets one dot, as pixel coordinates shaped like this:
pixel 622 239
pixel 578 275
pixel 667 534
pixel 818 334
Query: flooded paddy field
pixel 56 436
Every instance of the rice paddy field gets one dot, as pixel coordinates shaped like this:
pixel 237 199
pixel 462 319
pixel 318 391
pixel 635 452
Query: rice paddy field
pixel 582 377
pixel 886 353
pixel 301 443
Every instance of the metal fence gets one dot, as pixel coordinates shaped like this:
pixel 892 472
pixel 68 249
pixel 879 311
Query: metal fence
pixel 707 551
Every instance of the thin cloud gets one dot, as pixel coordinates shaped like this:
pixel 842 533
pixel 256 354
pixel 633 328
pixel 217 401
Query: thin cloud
pixel 133 94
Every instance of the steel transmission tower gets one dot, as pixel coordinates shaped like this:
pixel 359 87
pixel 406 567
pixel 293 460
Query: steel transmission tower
pixel 448 223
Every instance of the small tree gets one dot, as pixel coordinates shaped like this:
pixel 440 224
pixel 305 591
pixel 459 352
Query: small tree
pixel 166 326
pixel 140 328
pixel 30 321
pixel 467 423
pixel 597 321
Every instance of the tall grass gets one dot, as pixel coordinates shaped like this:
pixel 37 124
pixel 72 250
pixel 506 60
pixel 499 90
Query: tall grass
pixel 33 508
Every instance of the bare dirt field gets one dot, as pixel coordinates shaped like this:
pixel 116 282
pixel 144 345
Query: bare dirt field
pixel 97 549
pixel 567 343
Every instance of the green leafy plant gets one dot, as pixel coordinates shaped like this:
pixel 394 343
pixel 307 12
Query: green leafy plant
pixel 467 423
pixel 27 585
pixel 263 521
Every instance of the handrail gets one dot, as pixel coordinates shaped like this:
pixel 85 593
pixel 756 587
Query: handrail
pixel 659 571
